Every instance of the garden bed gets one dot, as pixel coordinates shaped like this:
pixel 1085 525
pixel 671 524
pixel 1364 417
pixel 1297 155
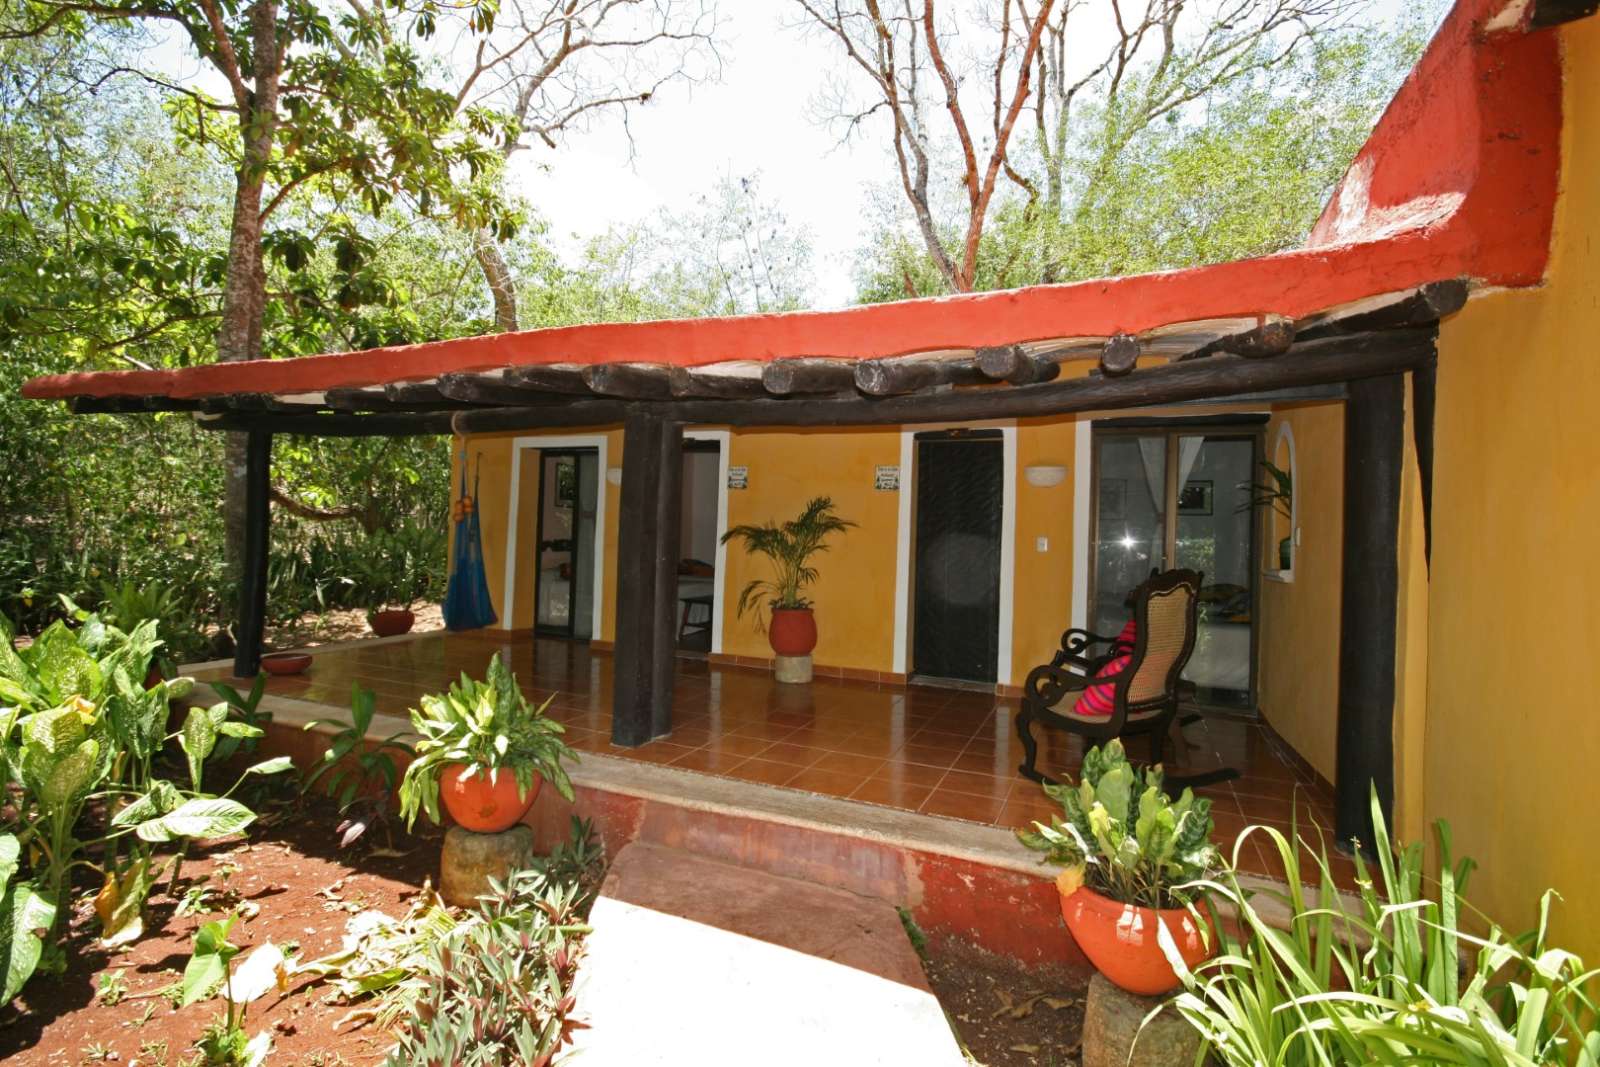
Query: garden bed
pixel 1006 1013
pixel 297 887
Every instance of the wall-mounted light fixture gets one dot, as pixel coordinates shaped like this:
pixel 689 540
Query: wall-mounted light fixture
pixel 1044 475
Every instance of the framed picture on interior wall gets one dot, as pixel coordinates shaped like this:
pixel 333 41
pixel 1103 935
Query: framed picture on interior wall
pixel 1113 499
pixel 566 485
pixel 1195 498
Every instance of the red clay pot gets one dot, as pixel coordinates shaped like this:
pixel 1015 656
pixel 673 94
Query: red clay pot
pixel 482 805
pixel 1120 940
pixel 392 623
pixel 285 662
pixel 793 631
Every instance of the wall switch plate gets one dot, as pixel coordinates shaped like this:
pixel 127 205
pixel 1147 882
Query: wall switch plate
pixel 1041 544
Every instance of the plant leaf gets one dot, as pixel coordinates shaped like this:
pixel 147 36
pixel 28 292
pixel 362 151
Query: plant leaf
pixel 25 915
pixel 200 817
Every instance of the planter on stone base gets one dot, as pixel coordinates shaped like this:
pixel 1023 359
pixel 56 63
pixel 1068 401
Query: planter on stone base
pixel 1119 1030
pixel 483 802
pixel 470 859
pixel 792 670
pixel 1120 940
pixel 793 632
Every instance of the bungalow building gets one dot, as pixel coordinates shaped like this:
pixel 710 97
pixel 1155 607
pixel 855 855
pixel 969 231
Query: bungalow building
pixel 1419 615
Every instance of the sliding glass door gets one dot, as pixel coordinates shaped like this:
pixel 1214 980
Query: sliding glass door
pixel 1169 496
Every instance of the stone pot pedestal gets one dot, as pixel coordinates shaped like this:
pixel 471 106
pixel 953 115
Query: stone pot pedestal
pixel 1111 1023
pixel 470 859
pixel 794 670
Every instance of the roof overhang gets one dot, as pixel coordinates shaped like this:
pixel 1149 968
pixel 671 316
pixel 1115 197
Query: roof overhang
pixel 1454 190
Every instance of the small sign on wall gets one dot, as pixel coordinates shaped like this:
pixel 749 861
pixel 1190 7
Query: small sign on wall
pixel 738 477
pixel 887 479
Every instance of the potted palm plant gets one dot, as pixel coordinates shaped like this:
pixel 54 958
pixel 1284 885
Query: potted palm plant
pixel 485 749
pixel 1277 494
pixel 1129 855
pixel 792 629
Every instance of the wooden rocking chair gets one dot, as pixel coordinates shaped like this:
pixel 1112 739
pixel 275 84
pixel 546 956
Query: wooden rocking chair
pixel 1144 693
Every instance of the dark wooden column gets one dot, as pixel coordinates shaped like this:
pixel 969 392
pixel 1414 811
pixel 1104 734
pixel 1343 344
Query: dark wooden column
pixel 250 620
pixel 647 577
pixel 1374 438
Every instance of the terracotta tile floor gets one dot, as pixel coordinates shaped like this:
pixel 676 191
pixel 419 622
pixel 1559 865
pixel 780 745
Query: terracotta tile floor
pixel 941 752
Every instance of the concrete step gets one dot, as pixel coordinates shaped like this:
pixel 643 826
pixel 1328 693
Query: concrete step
pixel 694 961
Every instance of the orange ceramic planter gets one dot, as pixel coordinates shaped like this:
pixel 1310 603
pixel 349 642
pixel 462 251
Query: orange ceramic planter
pixel 1120 940
pixel 392 623
pixel 793 631
pixel 484 805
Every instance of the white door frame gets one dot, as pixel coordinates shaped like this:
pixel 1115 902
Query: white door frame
pixel 1008 541
pixel 719 564
pixel 540 443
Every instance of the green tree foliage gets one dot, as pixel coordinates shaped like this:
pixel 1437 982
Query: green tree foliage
pixel 1242 169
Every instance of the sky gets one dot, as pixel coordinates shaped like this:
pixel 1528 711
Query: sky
pixel 757 119
pixel 761 117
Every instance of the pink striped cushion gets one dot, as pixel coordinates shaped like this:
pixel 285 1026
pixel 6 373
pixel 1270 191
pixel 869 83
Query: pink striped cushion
pixel 1098 701
pixel 1128 633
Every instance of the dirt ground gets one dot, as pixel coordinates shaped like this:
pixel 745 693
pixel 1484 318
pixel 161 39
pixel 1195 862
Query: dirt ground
pixel 301 889
pixel 1008 1014
pixel 348 624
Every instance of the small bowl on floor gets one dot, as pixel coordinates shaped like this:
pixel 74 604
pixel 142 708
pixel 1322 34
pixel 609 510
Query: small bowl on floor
pixel 285 663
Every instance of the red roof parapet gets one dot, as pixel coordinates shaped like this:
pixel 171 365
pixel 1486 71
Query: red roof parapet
pixel 1458 179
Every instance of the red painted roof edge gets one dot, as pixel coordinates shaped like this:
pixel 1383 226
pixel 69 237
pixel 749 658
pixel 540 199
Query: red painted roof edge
pixel 1459 178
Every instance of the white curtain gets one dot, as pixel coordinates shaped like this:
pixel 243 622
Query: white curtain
pixel 1153 453
pixel 1188 453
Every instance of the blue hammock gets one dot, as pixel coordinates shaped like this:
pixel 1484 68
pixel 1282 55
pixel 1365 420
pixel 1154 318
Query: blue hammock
pixel 467 605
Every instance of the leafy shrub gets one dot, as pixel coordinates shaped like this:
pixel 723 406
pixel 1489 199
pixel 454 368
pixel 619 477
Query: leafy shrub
pixel 360 777
pixel 1382 981
pixel 78 728
pixel 489 726
pixel 497 989
pixel 1122 836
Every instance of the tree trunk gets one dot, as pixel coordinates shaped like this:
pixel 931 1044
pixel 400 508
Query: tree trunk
pixel 244 295
pixel 497 272
pixel 239 338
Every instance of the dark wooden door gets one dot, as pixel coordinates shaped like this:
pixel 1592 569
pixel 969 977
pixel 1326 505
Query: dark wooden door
pixel 956 597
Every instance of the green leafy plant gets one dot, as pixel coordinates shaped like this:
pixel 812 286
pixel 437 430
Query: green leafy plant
pixel 496 989
pixel 1123 837
pixel 789 546
pixel 210 970
pixel 360 777
pixel 1394 978
pixel 1276 493
pixel 488 726
pixel 248 711
pixel 79 729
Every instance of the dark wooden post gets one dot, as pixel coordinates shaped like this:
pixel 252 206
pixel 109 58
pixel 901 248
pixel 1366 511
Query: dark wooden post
pixel 1374 437
pixel 252 613
pixel 647 577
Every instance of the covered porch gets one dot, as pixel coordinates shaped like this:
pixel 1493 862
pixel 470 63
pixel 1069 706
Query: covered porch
pixel 939 752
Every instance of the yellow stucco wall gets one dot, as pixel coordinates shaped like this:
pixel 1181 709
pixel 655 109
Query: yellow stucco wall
pixel 1298 637
pixel 1042 597
pixel 491 454
pixel 854 594
pixel 1513 726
